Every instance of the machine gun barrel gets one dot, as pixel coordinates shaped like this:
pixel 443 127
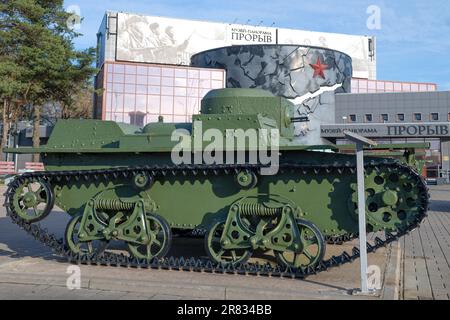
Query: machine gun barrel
pixel 300 119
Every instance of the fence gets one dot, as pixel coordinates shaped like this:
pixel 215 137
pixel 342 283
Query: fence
pixel 8 167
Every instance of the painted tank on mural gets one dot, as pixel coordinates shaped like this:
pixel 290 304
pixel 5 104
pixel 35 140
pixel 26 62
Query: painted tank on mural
pixel 235 174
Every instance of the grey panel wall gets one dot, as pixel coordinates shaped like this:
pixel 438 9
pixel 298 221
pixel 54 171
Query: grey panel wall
pixel 392 104
pixel 101 43
pixel 106 39
pixel 445 150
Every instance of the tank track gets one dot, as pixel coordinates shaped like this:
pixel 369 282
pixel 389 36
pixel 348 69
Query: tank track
pixel 200 264
pixel 337 240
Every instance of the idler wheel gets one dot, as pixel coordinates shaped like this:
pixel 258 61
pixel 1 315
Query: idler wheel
pixel 33 201
pixel 158 241
pixel 75 242
pixel 311 248
pixel 216 252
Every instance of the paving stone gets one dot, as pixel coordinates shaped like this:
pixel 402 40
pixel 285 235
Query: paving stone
pixel 426 270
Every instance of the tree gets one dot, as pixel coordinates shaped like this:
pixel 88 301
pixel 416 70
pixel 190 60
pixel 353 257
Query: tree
pixel 35 35
pixel 80 105
pixel 10 86
pixel 75 88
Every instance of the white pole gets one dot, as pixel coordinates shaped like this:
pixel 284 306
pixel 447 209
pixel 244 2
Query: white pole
pixel 362 215
pixel 16 156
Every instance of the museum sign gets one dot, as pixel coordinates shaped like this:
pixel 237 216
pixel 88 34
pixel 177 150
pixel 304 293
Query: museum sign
pixel 405 130
pixel 250 35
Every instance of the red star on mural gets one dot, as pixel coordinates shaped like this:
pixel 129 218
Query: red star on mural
pixel 319 68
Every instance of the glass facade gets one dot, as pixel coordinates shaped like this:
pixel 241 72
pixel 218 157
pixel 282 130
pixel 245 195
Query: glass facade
pixel 374 86
pixel 140 93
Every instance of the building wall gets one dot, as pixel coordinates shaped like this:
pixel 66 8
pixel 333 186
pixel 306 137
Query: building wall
pixel 408 104
pixel 139 93
pixel 393 104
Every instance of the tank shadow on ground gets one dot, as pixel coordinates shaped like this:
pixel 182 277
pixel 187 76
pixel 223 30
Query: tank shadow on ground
pixel 440 206
pixel 20 245
pixel 438 190
pixel 348 291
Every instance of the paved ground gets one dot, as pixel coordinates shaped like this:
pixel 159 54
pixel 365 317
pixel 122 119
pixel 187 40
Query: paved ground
pixel 415 269
pixel 426 252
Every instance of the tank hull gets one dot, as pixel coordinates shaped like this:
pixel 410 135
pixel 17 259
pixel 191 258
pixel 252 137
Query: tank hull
pixel 192 200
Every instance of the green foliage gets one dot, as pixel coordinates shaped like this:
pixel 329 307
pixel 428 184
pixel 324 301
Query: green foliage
pixel 10 73
pixel 38 61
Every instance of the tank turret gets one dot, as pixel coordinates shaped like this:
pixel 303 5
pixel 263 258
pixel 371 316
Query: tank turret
pixel 247 109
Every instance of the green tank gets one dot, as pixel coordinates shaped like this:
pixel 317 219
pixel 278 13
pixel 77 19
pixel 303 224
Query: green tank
pixel 144 186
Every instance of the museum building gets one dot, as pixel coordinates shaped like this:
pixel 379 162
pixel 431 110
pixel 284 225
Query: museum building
pixel 406 117
pixel 154 66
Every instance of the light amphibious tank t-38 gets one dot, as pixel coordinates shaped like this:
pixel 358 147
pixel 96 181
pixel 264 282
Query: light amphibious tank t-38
pixel 124 183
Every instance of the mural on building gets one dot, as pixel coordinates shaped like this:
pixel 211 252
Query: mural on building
pixel 163 40
pixel 151 39
pixel 360 49
pixel 144 41
pixel 308 76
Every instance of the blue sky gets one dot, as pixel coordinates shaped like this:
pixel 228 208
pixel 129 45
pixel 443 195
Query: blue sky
pixel 413 43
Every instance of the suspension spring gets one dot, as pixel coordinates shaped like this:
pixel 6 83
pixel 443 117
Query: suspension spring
pixel 112 204
pixel 256 209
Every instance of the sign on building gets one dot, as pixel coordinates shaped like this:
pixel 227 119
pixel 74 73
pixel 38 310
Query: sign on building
pixel 417 130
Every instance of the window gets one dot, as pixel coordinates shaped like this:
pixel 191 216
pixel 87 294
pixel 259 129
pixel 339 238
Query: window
pixel 352 118
pixel 434 116
pixel 417 117
pixel 384 117
pixel 368 117
pixel 400 117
